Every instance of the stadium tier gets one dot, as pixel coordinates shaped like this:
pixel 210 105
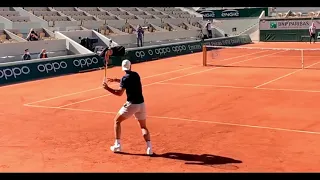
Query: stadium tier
pixel 64 27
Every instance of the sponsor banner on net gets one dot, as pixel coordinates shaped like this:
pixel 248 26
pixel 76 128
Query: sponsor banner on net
pixel 48 68
pixel 287 24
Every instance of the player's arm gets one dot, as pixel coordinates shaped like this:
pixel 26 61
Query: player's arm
pixel 117 92
pixel 120 90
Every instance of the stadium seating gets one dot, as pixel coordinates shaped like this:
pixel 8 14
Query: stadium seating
pixel 161 24
pixel 12 15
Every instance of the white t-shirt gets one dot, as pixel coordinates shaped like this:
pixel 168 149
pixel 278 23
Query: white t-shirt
pixel 312 29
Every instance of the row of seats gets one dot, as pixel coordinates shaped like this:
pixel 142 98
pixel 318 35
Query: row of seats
pixel 126 13
pixel 36 9
pixel 4 9
pixel 298 14
pixel 12 15
pixel 40 32
pixel 93 17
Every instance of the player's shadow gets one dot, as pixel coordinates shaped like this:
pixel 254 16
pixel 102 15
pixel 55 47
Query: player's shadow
pixel 193 159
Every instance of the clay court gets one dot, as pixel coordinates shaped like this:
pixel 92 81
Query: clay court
pixel 260 114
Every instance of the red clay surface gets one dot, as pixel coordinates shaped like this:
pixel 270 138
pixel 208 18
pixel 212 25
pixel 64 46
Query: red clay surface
pixel 202 119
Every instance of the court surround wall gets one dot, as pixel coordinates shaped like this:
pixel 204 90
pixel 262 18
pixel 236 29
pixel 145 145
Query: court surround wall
pixel 43 68
pixel 286 30
pixel 294 35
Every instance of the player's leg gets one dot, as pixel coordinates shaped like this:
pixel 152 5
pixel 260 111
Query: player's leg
pixel 124 113
pixel 141 117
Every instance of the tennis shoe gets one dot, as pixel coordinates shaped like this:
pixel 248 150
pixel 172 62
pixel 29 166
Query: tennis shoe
pixel 149 151
pixel 116 148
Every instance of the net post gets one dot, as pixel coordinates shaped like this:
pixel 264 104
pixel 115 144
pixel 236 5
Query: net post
pixel 302 59
pixel 204 53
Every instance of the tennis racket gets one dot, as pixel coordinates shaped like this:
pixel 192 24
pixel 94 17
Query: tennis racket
pixel 107 57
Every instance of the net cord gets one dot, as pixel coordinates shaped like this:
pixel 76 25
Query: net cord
pixel 260 48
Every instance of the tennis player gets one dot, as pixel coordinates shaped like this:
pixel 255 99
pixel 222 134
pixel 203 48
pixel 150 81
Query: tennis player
pixel 130 83
pixel 312 32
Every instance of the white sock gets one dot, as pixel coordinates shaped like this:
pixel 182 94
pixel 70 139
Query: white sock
pixel 117 142
pixel 149 144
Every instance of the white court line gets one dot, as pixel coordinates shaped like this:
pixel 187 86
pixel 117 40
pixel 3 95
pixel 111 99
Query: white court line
pixel 190 120
pixel 70 94
pixel 294 90
pixel 198 72
pixel 242 87
pixel 206 85
pixel 286 75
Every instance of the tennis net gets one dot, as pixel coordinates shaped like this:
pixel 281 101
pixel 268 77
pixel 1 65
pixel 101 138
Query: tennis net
pixel 256 57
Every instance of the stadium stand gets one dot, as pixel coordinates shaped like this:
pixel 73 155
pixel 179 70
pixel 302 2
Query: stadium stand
pixel 59 28
pixel 12 19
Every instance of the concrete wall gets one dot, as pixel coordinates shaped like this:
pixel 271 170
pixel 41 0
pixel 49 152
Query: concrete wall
pixel 71 45
pixel 191 12
pixel 240 24
pixel 16 58
pixel 12 49
pixel 11 52
pixel 104 39
pixel 255 36
pixel 26 25
pixel 74 35
pixel 2 26
pixel 155 36
pixel 7 23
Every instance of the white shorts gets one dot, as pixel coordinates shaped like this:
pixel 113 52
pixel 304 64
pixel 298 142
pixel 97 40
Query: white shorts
pixel 138 110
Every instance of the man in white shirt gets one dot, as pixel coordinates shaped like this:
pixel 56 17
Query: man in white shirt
pixel 312 32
